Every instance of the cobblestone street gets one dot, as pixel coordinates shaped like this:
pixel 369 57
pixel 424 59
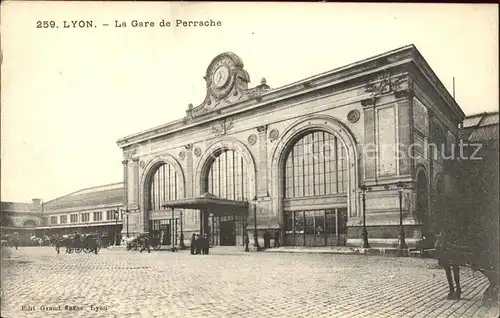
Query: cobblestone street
pixel 230 283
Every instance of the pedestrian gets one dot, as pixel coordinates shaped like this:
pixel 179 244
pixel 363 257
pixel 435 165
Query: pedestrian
pixel 205 244
pixel 247 241
pixel 277 238
pixel 97 243
pixel 193 243
pixel 146 244
pixel 198 244
pixel 267 240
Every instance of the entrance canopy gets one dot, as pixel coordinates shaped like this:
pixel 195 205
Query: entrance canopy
pixel 208 201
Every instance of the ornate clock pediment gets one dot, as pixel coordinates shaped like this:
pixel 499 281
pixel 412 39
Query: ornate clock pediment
pixel 227 83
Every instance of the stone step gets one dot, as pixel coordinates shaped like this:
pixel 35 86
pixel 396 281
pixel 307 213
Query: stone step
pixel 347 250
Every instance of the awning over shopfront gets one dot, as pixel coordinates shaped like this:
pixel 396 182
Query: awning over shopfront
pixel 216 205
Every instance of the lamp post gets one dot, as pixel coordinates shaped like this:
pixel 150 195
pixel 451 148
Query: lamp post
pixel 117 213
pixel 247 239
pixel 181 243
pixel 174 249
pixel 364 232
pixel 255 236
pixel 402 248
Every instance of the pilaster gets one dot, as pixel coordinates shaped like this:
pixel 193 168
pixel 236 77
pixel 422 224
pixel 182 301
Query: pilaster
pixel 132 171
pixel 136 191
pixel 262 174
pixel 405 131
pixel 189 171
pixel 125 182
pixel 136 179
pixel 369 159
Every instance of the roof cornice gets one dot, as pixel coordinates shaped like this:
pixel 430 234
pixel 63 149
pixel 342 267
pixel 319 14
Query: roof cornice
pixel 391 59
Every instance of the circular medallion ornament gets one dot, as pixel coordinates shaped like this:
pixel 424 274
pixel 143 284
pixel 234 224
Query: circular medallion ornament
pixel 252 139
pixel 197 152
pixel 274 134
pixel 353 116
pixel 142 164
pixel 182 155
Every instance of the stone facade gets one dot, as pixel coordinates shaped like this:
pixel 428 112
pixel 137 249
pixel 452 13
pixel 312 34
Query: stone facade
pixel 21 216
pixel 377 108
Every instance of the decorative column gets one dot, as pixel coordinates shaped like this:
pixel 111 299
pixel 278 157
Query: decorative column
pixel 134 192
pixel 262 165
pixel 125 182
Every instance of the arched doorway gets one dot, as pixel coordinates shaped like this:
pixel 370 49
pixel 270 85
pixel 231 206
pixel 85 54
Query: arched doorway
pixel 422 206
pixel 315 188
pixel 165 183
pixel 226 175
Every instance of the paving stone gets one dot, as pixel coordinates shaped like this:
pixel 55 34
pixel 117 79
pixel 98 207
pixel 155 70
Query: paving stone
pixel 231 283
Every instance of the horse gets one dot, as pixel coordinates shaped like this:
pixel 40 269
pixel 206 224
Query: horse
pixel 465 241
pixel 63 241
pixel 46 240
pixel 132 243
pixel 6 242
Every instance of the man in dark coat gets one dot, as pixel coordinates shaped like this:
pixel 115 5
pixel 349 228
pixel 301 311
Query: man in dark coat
pixel 277 238
pixel 146 243
pixel 205 244
pixel 193 243
pixel 198 244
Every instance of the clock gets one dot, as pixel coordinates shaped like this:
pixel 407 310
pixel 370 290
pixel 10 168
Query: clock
pixel 221 76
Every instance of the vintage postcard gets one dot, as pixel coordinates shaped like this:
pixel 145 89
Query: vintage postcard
pixel 213 159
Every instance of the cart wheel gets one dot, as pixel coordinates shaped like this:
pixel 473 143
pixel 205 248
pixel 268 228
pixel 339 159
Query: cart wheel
pixel 78 250
pixel 70 250
pixel 86 249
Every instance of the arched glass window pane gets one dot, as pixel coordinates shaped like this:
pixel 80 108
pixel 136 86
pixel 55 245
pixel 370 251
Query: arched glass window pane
pixel 164 186
pixel 316 165
pixel 227 176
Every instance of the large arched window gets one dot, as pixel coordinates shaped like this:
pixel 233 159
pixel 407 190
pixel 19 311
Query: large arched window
pixel 228 175
pixel 316 165
pixel 165 185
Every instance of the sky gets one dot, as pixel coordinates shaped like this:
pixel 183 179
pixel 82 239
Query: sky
pixel 68 94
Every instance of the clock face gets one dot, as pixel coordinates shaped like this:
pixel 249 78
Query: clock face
pixel 221 76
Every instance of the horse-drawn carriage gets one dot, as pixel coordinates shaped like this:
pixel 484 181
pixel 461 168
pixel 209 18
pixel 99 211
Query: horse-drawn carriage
pixel 9 240
pixel 135 243
pixel 86 243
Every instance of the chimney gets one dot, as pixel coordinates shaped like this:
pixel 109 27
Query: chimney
pixel 36 202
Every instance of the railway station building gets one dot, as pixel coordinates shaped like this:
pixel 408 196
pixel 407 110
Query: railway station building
pixel 90 210
pixel 296 161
